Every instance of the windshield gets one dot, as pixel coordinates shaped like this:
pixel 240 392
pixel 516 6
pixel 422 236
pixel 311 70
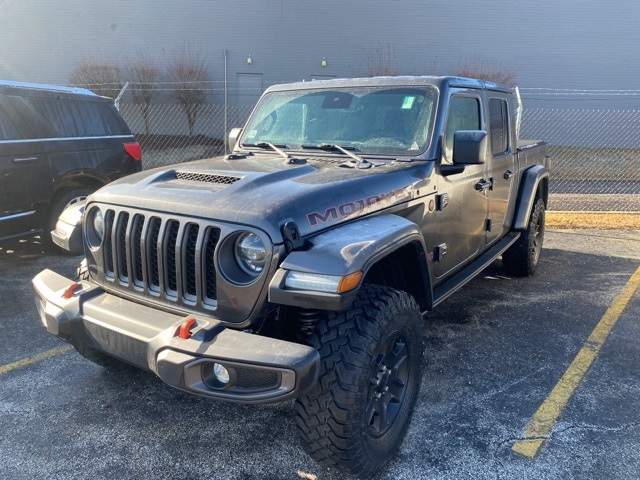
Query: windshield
pixel 392 121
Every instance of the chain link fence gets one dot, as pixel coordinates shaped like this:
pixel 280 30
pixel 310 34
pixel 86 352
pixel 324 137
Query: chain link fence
pixel 595 156
pixel 165 138
pixel 595 153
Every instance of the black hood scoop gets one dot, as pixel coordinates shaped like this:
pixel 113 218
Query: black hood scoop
pixel 206 177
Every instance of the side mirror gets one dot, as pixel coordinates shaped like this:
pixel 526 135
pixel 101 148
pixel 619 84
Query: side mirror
pixel 68 232
pixel 470 147
pixel 234 134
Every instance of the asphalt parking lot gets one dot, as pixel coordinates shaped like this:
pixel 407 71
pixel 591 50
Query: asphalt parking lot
pixel 495 351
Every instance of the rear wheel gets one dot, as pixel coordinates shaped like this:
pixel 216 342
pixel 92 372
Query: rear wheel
pixel 60 202
pixel 356 416
pixel 521 259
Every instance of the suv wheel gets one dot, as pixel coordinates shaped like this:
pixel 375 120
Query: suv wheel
pixel 356 416
pixel 521 259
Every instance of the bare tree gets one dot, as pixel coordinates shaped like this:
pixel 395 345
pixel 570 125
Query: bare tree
pixel 188 78
pixel 382 62
pixel 97 75
pixel 481 69
pixel 143 76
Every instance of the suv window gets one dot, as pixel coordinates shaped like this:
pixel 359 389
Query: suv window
pixel 464 114
pixel 498 125
pixel 8 130
pixel 78 119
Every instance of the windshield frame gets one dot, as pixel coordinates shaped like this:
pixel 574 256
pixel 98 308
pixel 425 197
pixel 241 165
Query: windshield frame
pixel 424 122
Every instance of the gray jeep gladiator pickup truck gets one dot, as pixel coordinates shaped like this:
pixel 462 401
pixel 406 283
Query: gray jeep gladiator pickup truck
pixel 300 265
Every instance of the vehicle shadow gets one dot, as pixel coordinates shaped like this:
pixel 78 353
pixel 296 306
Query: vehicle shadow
pixel 28 248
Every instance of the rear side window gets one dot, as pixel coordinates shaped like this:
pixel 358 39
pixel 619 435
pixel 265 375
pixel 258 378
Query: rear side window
pixel 73 118
pixel 8 130
pixel 29 123
pixel 498 123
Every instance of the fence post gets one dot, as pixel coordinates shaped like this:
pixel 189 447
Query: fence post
pixel 224 134
pixel 117 100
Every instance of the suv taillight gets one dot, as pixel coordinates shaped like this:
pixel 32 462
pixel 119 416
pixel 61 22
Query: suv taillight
pixel 133 149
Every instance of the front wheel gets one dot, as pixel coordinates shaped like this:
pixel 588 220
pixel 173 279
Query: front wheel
pixel 521 259
pixel 356 416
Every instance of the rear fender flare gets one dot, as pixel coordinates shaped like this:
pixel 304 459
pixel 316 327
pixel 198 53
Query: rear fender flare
pixel 532 179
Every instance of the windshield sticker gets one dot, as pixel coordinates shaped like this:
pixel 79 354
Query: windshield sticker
pixel 415 146
pixel 252 133
pixel 407 103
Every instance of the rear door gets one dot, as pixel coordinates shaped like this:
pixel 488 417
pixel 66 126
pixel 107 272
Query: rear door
pixel 25 178
pixel 89 136
pixel 501 165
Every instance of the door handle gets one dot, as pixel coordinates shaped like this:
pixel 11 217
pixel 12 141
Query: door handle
pixel 25 159
pixel 508 174
pixel 484 185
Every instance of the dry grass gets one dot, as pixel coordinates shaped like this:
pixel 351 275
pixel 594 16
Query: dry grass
pixel 598 220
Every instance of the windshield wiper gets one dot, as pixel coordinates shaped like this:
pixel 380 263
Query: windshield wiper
pixel 278 149
pixel 360 162
pixel 269 146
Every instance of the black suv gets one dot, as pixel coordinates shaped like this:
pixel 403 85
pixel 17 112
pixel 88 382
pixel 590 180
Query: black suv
pixel 57 145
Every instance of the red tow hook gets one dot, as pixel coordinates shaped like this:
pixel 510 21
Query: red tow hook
pixel 68 292
pixel 184 329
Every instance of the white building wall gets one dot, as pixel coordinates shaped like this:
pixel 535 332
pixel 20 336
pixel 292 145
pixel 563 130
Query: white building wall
pixel 574 44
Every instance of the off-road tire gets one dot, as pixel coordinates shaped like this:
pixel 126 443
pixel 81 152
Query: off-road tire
pixel 521 259
pixel 339 419
pixel 61 201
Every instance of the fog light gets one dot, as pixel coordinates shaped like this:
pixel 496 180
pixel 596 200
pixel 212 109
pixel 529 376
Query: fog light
pixel 221 373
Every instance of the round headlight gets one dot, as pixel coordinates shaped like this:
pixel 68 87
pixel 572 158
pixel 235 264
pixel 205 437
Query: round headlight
pixel 98 224
pixel 250 253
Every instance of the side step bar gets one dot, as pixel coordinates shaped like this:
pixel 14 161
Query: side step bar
pixel 450 286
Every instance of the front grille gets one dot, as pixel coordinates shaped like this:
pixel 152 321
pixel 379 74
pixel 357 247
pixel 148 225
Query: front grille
pixel 206 177
pixel 164 257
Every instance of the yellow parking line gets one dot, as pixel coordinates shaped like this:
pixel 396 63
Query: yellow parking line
pixel 35 358
pixel 542 422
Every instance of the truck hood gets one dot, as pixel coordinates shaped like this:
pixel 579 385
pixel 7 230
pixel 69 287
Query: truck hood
pixel 262 192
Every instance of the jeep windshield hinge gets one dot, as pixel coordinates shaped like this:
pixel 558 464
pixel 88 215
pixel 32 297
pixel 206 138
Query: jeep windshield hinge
pixel 291 235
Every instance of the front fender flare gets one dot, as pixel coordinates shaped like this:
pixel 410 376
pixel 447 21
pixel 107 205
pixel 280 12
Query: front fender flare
pixel 340 251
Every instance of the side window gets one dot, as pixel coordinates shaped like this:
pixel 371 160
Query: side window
pixel 499 126
pixel 8 130
pixel 26 119
pixel 58 114
pixel 79 118
pixel 464 114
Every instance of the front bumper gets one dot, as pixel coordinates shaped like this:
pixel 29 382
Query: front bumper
pixel 262 369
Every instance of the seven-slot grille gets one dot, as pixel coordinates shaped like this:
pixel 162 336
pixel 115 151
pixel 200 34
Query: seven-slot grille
pixel 165 257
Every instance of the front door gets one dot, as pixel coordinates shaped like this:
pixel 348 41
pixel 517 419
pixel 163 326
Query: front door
pixel 462 207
